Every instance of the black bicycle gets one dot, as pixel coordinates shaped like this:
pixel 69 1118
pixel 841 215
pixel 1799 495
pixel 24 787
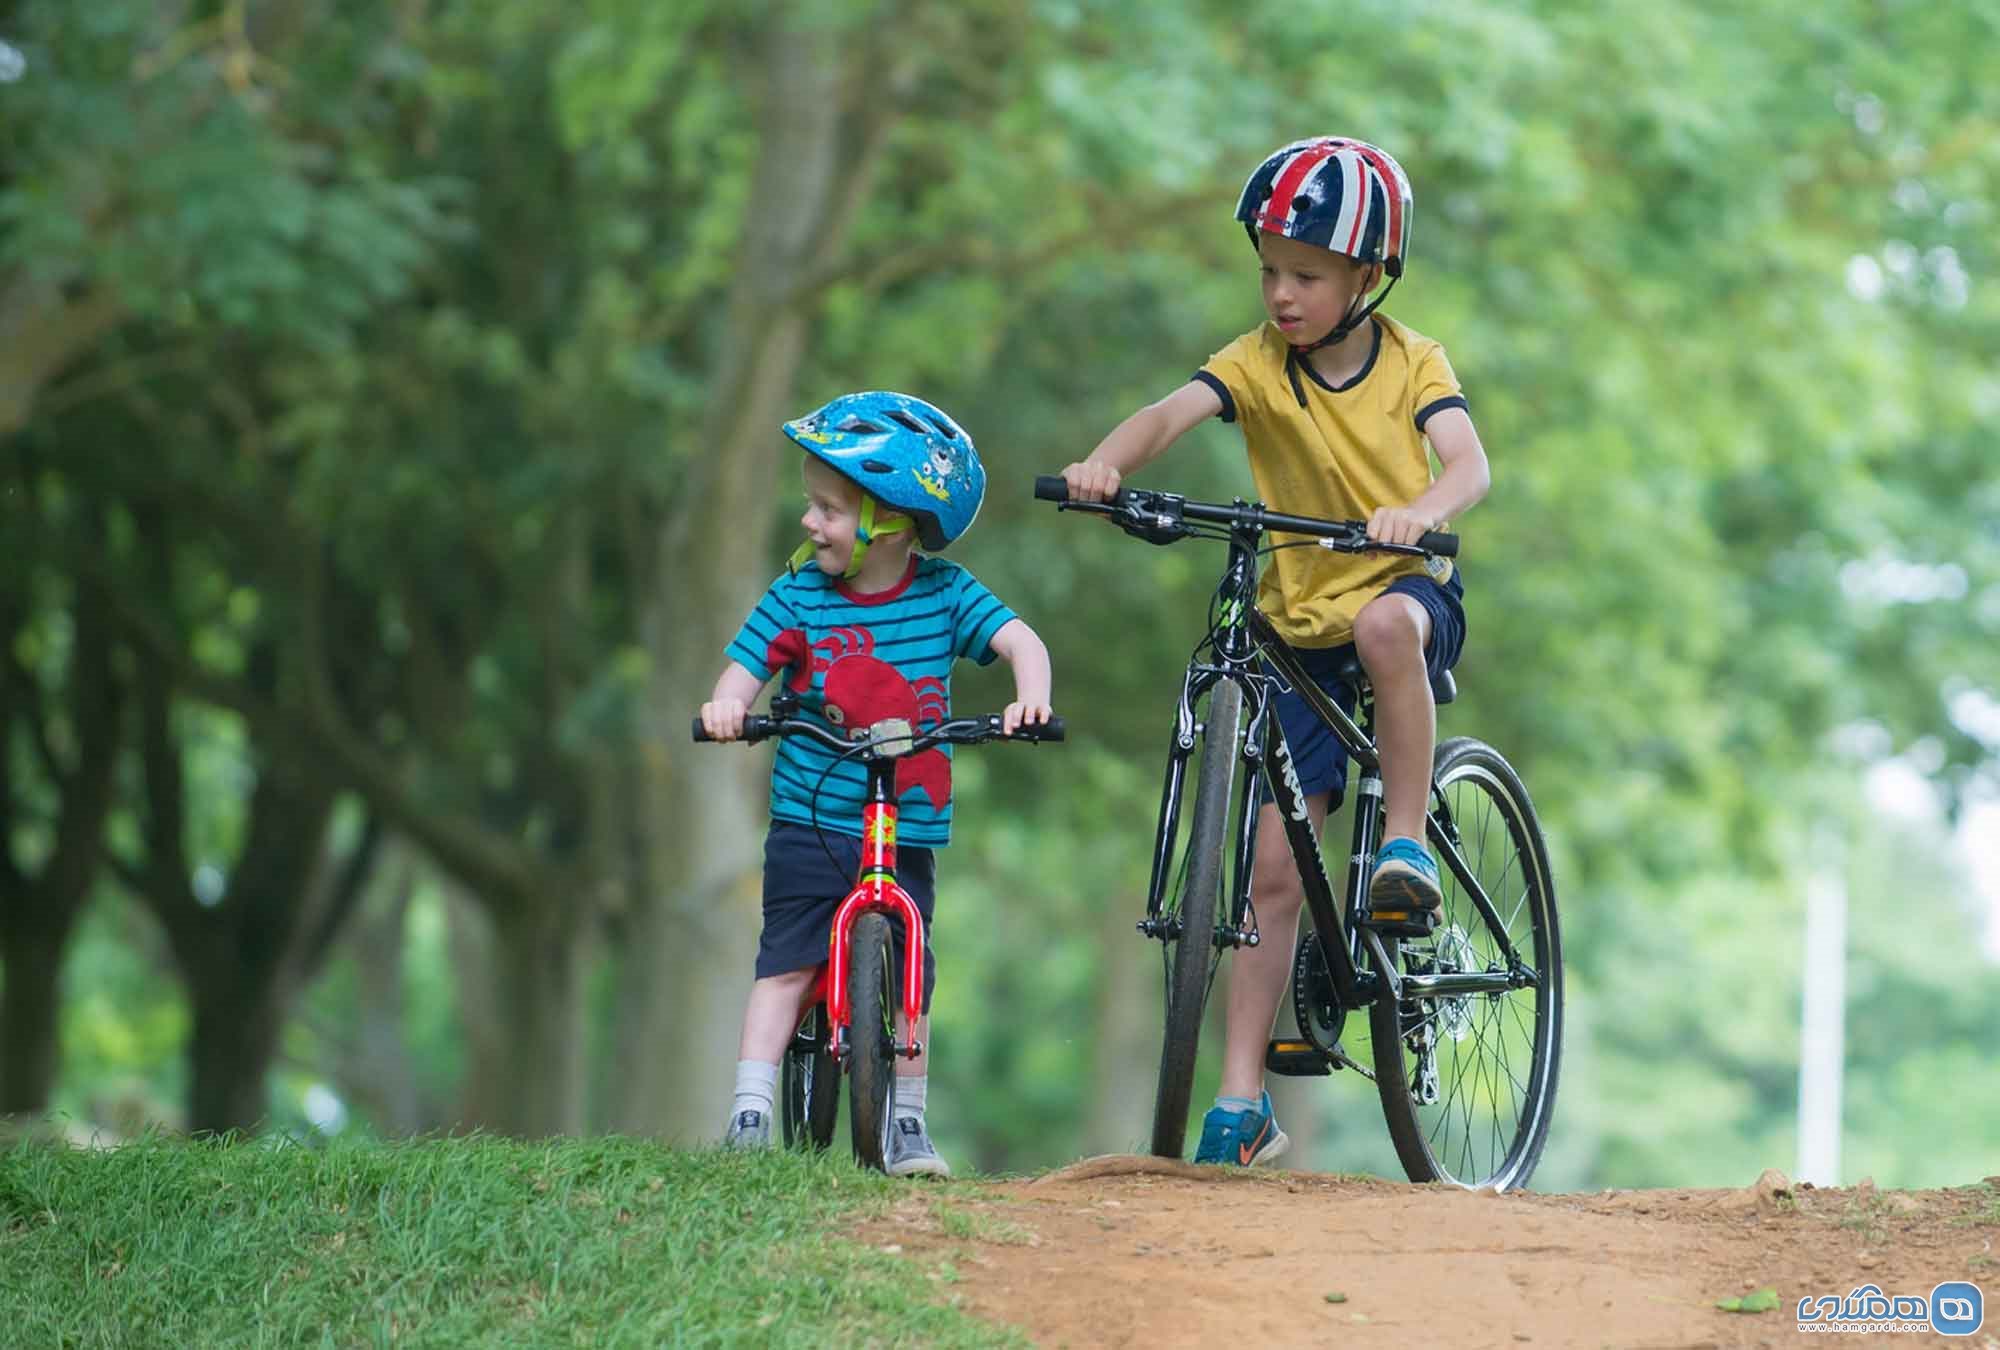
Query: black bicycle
pixel 1465 1020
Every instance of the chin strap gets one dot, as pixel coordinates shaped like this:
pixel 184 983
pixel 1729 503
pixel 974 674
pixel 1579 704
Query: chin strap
pixel 1347 325
pixel 869 528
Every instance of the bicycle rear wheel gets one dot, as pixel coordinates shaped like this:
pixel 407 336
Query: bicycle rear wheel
pixel 1468 1081
pixel 1191 956
pixel 810 1084
pixel 871 1010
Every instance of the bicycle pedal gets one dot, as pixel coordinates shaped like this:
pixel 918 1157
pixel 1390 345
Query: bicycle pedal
pixel 1297 1059
pixel 1409 921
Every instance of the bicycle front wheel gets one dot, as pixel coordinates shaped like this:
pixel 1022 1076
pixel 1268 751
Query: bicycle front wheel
pixel 1468 1080
pixel 871 1009
pixel 1192 954
pixel 810 1084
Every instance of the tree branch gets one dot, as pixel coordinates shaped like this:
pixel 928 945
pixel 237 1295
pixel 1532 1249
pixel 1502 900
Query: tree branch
pixel 501 872
pixel 41 332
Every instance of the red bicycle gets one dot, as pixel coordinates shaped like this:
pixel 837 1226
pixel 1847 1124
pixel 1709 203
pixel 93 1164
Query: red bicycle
pixel 849 1025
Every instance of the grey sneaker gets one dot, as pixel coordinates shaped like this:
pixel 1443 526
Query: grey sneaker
pixel 750 1129
pixel 911 1152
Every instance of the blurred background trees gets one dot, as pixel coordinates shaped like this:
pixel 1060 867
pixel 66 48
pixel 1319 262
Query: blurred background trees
pixel 388 406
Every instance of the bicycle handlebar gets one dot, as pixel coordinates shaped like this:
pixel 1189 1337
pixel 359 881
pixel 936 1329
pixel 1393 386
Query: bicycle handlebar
pixel 954 731
pixel 1162 518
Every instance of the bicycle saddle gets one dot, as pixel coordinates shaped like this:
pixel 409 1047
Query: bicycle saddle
pixel 1443 687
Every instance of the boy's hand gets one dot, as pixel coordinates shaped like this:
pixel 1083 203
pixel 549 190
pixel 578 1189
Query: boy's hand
pixel 1091 481
pixel 723 719
pixel 1018 715
pixel 1399 525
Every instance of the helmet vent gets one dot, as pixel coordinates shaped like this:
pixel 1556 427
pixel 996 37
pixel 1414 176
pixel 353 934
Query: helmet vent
pixel 907 422
pixel 946 429
pixel 858 426
pixel 877 466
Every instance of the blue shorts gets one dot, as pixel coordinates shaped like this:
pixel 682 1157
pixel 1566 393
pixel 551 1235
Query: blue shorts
pixel 1317 754
pixel 802 888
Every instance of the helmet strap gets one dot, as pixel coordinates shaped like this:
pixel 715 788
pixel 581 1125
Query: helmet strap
pixel 866 530
pixel 1348 324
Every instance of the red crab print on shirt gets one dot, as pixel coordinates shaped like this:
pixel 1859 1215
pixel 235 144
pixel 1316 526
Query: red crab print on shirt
pixel 861 690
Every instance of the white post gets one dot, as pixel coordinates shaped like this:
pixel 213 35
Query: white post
pixel 1822 1031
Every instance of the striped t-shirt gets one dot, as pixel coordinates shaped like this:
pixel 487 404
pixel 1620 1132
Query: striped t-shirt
pixel 856 659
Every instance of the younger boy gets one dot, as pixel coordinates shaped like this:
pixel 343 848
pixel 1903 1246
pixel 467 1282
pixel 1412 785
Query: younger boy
pixel 868 628
pixel 1336 402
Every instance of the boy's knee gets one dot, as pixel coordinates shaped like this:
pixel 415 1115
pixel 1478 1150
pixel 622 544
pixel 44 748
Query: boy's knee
pixel 1275 887
pixel 1389 625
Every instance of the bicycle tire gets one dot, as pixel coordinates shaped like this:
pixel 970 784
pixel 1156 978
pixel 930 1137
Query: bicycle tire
pixel 810 1085
pixel 1468 1118
pixel 871 1066
pixel 1191 964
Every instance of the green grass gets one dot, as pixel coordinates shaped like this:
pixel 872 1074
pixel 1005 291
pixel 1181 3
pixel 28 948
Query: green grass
pixel 451 1242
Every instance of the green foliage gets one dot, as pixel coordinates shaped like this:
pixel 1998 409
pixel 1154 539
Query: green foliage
pixel 452 1242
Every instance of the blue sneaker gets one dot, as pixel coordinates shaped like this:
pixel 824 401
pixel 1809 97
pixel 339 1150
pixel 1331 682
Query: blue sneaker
pixel 1241 1138
pixel 1403 895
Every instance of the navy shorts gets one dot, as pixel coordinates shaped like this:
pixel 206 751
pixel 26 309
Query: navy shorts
pixel 802 888
pixel 1317 754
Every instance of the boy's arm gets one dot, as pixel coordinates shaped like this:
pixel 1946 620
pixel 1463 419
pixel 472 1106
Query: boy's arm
pixel 1017 644
pixel 1139 439
pixel 735 689
pixel 1459 487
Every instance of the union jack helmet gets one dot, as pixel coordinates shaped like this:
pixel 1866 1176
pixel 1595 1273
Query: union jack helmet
pixel 1347 196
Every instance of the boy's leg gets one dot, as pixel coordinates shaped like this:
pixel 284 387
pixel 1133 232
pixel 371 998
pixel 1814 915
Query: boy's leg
pixel 769 1019
pixel 1258 974
pixel 1240 1128
pixel 1390 635
pixel 911 1152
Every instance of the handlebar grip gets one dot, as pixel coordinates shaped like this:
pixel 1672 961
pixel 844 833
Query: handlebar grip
pixel 1051 730
pixel 1051 487
pixel 756 727
pixel 1444 545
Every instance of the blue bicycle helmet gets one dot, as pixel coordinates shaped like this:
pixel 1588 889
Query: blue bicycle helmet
pixel 906 453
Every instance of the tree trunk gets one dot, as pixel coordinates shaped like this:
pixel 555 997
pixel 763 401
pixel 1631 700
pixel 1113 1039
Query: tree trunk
pixel 1129 1027
pixel 377 1075
pixel 688 966
pixel 38 913
pixel 235 1034
pixel 522 985
pixel 30 999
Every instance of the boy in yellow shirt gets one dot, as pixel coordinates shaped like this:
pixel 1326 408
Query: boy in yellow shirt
pixel 1336 403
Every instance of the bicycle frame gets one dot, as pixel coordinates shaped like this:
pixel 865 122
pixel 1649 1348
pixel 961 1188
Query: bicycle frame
pixel 1357 962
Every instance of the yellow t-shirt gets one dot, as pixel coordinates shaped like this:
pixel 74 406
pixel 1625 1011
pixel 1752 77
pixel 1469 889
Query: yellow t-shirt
pixel 1349 451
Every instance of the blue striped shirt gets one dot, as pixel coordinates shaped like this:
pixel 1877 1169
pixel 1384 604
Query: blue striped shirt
pixel 855 659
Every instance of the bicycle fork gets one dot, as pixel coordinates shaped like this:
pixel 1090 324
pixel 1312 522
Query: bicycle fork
pixel 876 891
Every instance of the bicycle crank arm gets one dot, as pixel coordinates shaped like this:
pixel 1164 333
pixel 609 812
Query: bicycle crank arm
pixel 1460 985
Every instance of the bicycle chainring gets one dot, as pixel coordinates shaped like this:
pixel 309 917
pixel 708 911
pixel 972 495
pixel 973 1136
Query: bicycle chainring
pixel 1315 1003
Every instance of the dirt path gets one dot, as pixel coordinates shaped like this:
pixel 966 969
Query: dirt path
pixel 1123 1251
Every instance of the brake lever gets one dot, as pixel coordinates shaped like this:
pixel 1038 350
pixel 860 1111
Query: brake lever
pixel 1156 517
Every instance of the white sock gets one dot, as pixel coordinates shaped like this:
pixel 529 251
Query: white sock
pixel 910 1093
pixel 1236 1105
pixel 756 1087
